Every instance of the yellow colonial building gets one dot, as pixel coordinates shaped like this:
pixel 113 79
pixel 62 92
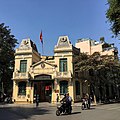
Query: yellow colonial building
pixel 49 76
pixel 46 75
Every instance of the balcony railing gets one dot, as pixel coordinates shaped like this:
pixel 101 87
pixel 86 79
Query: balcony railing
pixel 17 75
pixel 63 74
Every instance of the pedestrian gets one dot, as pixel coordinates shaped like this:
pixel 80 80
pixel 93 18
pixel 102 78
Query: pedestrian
pixel 85 100
pixel 37 100
pixel 89 101
pixel 57 99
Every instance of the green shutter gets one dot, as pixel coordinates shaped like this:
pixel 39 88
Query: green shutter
pixel 63 87
pixel 63 65
pixel 23 66
pixel 22 88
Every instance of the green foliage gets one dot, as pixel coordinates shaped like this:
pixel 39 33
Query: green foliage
pixel 113 15
pixel 98 68
pixel 7 45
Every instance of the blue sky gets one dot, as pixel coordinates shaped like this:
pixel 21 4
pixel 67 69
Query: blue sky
pixel 75 18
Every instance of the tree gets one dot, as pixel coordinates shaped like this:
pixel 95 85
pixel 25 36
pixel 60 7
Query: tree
pixel 99 70
pixel 113 15
pixel 7 45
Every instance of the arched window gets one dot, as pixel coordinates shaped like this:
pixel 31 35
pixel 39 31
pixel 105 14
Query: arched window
pixel 77 84
pixel 63 87
pixel 22 88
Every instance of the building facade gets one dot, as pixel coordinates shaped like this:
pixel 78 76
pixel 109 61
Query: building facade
pixel 52 76
pixel 90 46
pixel 46 76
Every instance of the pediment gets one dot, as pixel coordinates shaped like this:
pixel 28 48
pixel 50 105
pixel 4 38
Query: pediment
pixel 43 65
pixel 63 41
pixel 27 44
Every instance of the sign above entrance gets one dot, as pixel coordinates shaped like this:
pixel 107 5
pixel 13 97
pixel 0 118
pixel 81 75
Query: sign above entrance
pixel 43 77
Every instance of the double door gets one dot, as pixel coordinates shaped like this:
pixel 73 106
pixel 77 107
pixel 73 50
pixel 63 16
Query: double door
pixel 44 90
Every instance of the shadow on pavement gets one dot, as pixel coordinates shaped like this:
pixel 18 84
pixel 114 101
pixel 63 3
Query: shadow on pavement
pixel 92 108
pixel 75 113
pixel 24 112
pixel 71 113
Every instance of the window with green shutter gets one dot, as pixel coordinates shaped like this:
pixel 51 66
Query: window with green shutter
pixel 23 66
pixel 22 88
pixel 63 87
pixel 63 65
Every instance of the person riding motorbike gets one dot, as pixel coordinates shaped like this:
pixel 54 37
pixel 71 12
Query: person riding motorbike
pixel 63 101
pixel 64 98
pixel 65 105
pixel 68 101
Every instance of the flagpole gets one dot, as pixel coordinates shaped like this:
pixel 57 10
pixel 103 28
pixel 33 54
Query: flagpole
pixel 42 49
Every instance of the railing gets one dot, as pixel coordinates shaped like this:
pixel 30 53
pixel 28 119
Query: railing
pixel 17 75
pixel 63 74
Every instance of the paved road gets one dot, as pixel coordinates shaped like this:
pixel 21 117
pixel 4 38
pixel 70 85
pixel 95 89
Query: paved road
pixel 47 112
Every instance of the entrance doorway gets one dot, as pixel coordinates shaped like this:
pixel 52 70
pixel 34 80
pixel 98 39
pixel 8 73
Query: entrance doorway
pixel 44 90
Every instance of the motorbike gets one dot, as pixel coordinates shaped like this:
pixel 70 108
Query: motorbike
pixel 85 104
pixel 8 99
pixel 63 108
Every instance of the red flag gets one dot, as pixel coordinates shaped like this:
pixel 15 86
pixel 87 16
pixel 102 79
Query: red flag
pixel 41 38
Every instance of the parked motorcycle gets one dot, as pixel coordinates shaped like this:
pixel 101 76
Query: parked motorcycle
pixel 85 104
pixel 63 108
pixel 8 99
pixel 5 98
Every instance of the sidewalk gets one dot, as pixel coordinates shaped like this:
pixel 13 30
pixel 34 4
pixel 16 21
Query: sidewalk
pixel 47 104
pixel 78 104
pixel 42 104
